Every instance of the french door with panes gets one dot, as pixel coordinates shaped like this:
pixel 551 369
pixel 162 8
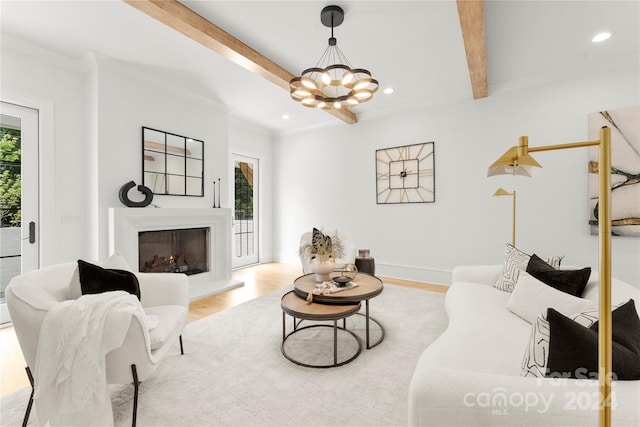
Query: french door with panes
pixel 19 198
pixel 245 233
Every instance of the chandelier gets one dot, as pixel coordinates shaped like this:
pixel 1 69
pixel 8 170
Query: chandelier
pixel 333 83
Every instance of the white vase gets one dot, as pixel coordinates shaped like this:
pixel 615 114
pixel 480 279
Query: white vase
pixel 322 266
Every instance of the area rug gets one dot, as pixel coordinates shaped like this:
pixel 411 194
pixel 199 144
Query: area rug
pixel 234 374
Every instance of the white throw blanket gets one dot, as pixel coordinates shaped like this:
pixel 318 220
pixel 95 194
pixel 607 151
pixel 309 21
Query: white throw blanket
pixel 70 376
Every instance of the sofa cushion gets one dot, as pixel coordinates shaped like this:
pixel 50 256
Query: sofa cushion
pixel 573 349
pixel 570 281
pixel 170 319
pixel 531 297
pixel 95 279
pixel 492 327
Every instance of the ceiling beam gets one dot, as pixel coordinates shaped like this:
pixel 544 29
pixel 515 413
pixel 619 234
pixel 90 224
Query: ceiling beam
pixel 184 20
pixel 471 14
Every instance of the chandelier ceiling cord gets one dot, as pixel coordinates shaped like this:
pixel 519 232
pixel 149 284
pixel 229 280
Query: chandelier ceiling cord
pixel 333 83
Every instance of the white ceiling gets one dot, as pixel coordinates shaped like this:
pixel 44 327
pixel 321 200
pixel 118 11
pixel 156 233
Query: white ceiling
pixel 415 47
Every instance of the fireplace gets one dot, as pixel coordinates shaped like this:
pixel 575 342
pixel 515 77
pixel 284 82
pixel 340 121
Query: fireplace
pixel 126 225
pixel 174 251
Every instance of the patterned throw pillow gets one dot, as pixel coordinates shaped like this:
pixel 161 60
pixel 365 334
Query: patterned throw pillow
pixel 515 261
pixel 536 356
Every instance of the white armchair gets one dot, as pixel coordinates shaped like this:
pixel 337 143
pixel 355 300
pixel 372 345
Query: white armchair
pixel 30 296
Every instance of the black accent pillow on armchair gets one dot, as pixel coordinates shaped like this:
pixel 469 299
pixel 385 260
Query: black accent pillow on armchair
pixel 95 279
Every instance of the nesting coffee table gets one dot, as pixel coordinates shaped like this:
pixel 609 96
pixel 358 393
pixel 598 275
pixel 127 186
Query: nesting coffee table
pixel 368 287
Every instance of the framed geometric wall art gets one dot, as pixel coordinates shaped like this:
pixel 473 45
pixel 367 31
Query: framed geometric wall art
pixel 625 170
pixel 406 174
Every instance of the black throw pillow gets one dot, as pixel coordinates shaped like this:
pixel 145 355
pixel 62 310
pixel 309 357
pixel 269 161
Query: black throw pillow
pixel 572 282
pixel 95 279
pixel 573 349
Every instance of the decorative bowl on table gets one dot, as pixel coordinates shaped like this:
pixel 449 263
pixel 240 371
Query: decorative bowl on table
pixel 349 270
pixel 341 280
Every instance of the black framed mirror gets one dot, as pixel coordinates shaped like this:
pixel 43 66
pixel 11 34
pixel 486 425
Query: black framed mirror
pixel 172 164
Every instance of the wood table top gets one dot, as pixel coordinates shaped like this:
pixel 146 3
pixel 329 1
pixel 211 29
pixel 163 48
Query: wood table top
pixel 368 287
pixel 295 306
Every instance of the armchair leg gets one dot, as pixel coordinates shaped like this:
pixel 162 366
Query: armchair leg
pixel 30 404
pixel 136 383
pixel 181 348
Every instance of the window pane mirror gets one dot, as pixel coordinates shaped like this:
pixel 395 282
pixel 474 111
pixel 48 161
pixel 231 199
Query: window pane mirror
pixel 172 164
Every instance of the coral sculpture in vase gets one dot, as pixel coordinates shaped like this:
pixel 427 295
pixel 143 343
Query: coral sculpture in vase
pixel 321 254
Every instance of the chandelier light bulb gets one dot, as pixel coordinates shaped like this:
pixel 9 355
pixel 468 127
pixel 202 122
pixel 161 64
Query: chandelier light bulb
pixel 302 93
pixel 309 83
pixel 363 95
pixel 347 77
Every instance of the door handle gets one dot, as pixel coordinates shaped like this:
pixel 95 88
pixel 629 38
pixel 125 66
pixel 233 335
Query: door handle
pixel 32 233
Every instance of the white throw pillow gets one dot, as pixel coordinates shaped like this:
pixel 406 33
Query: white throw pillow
pixel 531 297
pixel 115 261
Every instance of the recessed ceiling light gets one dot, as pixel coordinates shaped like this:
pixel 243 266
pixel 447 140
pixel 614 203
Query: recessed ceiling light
pixel 285 117
pixel 388 90
pixel 600 37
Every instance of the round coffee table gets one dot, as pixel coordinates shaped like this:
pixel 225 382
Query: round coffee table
pixel 299 309
pixel 368 287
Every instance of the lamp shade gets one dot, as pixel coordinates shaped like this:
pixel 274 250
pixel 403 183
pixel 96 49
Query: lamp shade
pixel 502 192
pixel 513 163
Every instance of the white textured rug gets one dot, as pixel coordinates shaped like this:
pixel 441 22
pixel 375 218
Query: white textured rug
pixel 233 373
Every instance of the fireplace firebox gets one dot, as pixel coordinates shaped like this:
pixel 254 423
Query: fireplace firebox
pixel 174 251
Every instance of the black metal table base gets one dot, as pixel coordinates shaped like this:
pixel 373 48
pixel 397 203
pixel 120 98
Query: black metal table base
pixel 335 327
pixel 368 343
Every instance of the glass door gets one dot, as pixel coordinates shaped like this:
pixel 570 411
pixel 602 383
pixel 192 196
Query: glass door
pixel 245 231
pixel 19 248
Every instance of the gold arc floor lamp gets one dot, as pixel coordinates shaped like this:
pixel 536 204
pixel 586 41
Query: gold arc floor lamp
pixel 517 161
pixel 502 192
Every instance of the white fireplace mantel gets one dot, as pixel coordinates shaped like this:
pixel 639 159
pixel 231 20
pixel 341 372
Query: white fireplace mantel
pixel 126 223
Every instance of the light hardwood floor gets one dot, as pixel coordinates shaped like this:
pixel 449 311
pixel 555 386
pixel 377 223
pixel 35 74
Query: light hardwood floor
pixel 258 280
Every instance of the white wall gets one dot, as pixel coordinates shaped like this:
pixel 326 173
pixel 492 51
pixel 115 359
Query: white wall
pixel 253 141
pixel 37 77
pixel 127 100
pixel 98 109
pixel 326 177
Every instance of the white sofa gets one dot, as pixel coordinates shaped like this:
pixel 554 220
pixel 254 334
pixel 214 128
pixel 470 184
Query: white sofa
pixel 471 375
